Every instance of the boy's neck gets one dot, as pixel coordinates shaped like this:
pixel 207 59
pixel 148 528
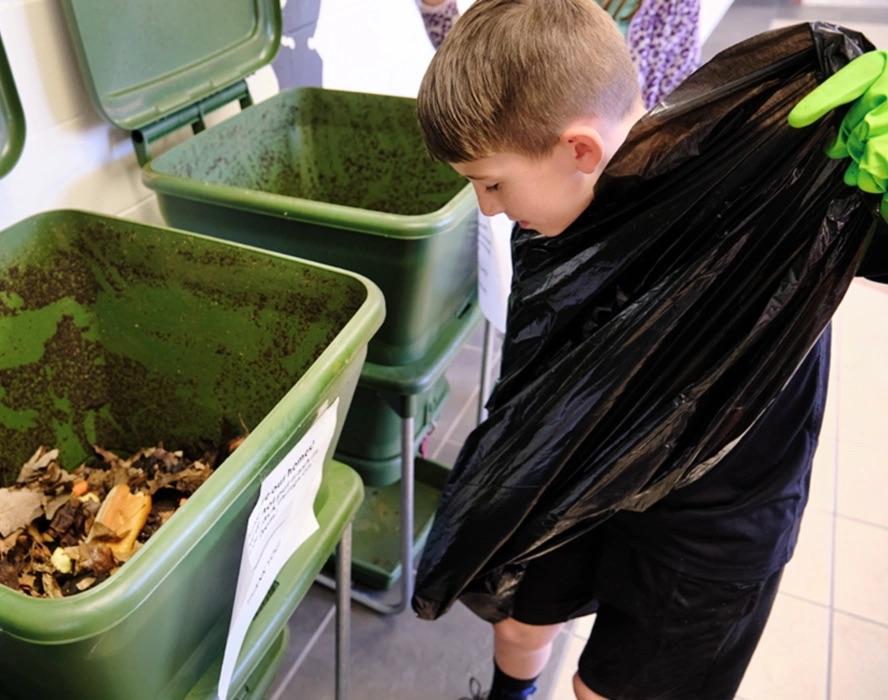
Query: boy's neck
pixel 615 133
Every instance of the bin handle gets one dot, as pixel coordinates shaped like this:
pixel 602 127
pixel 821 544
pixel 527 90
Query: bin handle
pixel 192 116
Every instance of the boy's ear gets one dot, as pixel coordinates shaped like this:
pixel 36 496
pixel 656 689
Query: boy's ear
pixel 586 147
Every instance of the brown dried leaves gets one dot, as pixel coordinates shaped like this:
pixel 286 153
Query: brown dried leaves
pixel 61 532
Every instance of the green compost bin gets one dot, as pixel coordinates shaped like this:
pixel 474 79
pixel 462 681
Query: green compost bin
pixel 342 178
pixel 124 335
pixel 371 439
pixel 373 430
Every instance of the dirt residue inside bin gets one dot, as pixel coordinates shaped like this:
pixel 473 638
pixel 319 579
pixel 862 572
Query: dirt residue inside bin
pixel 148 335
pixel 34 287
pixel 66 383
pixel 302 145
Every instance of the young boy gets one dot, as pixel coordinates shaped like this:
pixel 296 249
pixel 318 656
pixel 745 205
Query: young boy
pixel 529 99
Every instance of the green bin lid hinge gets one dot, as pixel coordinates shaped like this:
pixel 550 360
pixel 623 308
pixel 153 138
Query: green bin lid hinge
pixel 192 115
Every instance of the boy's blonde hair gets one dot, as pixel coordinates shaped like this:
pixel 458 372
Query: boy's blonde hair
pixel 512 74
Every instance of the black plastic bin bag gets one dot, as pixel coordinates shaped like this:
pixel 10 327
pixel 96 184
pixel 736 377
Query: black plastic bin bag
pixel 646 340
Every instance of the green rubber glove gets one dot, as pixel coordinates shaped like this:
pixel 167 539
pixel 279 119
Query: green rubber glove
pixel 863 134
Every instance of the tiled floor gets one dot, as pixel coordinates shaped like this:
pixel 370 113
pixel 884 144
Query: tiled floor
pixel 828 634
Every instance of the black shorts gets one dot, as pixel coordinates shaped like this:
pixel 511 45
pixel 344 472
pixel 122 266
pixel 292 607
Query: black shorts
pixel 658 634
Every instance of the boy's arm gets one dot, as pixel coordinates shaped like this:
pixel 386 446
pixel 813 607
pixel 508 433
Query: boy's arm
pixel 863 134
pixel 863 137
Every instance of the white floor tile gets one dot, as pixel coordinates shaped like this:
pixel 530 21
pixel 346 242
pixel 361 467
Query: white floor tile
pixel 863 380
pixel 861 417
pixel 790 662
pixel 862 483
pixel 822 495
pixel 861 569
pixel 446 454
pixel 567 667
pixel 459 410
pixel 582 626
pixel 860 652
pixel 808 573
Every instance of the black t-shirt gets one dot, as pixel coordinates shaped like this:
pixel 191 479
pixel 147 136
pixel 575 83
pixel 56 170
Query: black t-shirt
pixel 741 520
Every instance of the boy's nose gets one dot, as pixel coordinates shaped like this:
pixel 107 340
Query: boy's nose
pixel 487 202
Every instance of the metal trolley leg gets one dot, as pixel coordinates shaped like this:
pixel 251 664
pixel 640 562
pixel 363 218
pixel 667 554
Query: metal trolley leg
pixel 407 574
pixel 407 485
pixel 343 613
pixel 407 582
pixel 486 361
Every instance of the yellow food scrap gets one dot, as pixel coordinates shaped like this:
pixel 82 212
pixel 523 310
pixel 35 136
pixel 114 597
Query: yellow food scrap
pixel 61 562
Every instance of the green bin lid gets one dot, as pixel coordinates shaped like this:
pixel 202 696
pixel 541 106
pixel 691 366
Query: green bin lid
pixel 12 119
pixel 145 60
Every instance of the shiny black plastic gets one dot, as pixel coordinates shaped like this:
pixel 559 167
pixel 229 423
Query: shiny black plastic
pixel 645 340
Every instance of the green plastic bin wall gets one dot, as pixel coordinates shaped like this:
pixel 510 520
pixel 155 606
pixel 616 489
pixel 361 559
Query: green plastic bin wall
pixel 258 685
pixel 337 503
pixel 371 441
pixel 342 178
pixel 124 335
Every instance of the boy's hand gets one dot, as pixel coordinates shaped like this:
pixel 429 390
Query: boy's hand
pixel 863 134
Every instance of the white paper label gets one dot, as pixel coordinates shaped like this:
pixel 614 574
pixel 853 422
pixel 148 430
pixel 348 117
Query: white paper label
pixel 494 268
pixel 281 521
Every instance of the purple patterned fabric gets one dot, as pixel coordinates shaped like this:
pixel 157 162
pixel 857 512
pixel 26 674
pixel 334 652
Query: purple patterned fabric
pixel 438 19
pixel 664 41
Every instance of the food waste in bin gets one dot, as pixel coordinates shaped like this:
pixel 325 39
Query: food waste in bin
pixel 63 532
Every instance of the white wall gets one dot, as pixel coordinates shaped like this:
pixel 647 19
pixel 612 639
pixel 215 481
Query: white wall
pixel 378 47
pixel 71 157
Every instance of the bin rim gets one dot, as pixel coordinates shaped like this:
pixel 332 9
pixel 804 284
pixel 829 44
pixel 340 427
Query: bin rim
pixel 108 604
pixel 340 216
pixel 419 375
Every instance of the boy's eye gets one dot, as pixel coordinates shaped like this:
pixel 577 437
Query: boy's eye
pixel 492 188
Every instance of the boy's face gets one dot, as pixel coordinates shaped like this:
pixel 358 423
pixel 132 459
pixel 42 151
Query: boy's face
pixel 543 194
